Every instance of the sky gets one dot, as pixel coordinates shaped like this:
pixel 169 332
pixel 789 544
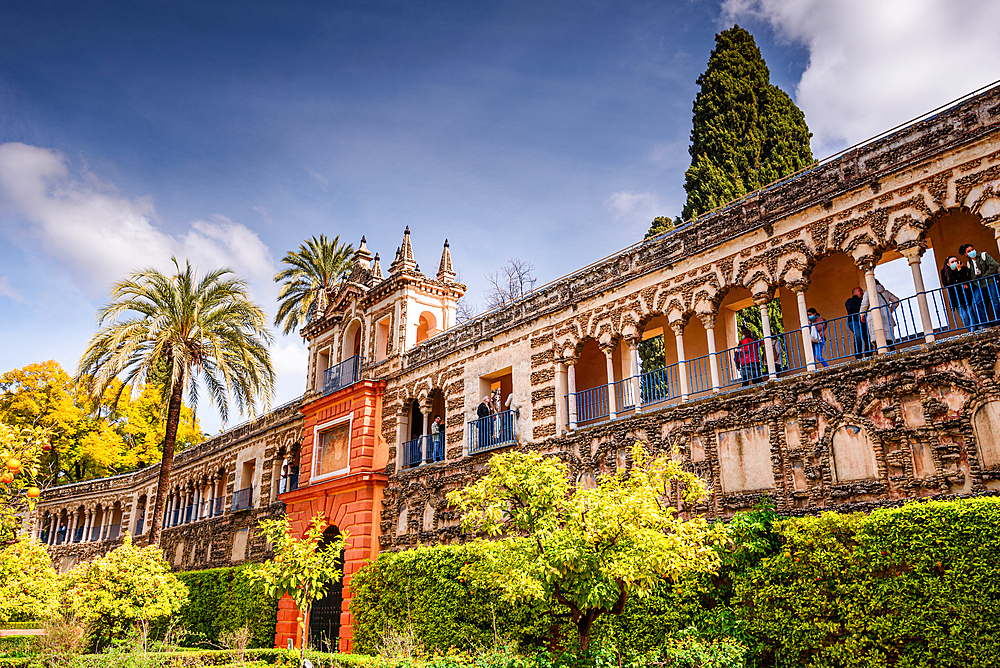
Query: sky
pixel 228 132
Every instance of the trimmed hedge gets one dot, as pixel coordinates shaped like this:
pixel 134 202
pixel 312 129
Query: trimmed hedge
pixel 423 590
pixel 911 586
pixel 223 599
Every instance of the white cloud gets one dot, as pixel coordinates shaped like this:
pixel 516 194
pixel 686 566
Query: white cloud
pixel 100 235
pixel 8 290
pixel 634 207
pixel 874 65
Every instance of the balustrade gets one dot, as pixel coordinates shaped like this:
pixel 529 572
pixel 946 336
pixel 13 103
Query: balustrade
pixel 341 375
pixel 492 431
pixel 950 311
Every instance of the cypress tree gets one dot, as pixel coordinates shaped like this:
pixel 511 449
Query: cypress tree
pixel 746 133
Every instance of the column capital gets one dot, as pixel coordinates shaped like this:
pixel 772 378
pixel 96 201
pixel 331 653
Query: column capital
pixel 762 300
pixel 569 361
pixel 633 340
pixel 866 256
pixel 707 320
pixel 678 327
pixel 912 250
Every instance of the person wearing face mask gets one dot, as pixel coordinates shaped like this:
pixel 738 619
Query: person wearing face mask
pixel 955 277
pixel 983 270
pixel 817 332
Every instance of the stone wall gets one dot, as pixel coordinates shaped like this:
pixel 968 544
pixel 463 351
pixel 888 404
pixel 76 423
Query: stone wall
pixel 917 424
pixel 207 542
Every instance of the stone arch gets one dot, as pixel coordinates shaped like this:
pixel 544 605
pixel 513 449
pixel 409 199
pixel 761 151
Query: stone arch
pixel 986 429
pixel 852 451
pixel 426 326
pixel 351 345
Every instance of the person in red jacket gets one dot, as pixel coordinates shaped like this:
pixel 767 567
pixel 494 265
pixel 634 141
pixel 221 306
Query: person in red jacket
pixel 748 358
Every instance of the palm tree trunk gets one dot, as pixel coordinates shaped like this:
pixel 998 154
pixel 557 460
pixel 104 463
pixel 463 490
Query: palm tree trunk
pixel 167 461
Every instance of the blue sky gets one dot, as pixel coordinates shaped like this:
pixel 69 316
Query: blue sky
pixel 228 132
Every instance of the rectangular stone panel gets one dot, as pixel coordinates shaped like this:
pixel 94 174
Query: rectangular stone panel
pixel 745 459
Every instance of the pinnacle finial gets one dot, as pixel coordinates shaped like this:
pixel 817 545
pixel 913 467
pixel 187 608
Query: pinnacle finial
pixel 445 272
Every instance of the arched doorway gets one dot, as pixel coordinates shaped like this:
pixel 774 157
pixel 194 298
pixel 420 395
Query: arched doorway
pixel 324 617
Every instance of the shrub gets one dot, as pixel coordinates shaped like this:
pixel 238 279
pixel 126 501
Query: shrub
pixel 424 591
pixel 912 586
pixel 127 585
pixel 221 600
pixel 27 581
pixel 904 587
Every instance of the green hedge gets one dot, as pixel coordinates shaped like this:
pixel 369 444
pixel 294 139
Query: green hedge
pixel 423 590
pixel 912 586
pixel 223 599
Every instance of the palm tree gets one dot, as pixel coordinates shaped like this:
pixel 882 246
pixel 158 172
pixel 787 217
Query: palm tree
pixel 206 330
pixel 315 267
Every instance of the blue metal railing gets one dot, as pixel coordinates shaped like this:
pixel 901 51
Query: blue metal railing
pixel 242 499
pixel 78 535
pixel 659 384
pixel 341 375
pixel 44 537
pixel 592 404
pixel 953 309
pixel 138 526
pixel 219 503
pixel 114 531
pixel 493 431
pixel 413 451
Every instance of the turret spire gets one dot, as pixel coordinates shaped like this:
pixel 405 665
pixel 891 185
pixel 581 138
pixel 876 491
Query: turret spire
pixel 445 272
pixel 404 257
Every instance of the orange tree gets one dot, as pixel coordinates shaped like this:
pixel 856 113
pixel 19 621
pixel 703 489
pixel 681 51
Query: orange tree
pixel 304 568
pixel 584 551
pixel 21 449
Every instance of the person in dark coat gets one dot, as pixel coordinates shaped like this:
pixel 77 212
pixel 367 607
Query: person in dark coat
pixel 858 327
pixel 484 425
pixel 956 278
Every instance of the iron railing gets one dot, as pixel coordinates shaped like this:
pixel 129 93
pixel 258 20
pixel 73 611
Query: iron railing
pixel 243 499
pixel 965 307
pixel 114 531
pixel 341 375
pixel 78 535
pixel 43 537
pixel 493 431
pixel 138 526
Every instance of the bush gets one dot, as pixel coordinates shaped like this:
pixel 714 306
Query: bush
pixel 904 587
pixel 27 582
pixel 913 586
pixel 16 646
pixel 221 600
pixel 424 591
pixel 125 586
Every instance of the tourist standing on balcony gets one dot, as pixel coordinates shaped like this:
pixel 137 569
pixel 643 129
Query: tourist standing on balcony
pixel 748 358
pixel 483 426
pixel 887 303
pixel 817 333
pixel 983 269
pixel 437 433
pixel 857 326
pixel 955 277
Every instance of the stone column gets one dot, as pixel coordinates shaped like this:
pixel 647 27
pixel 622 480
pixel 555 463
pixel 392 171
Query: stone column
pixel 874 314
pixel 609 360
pixel 633 349
pixel 912 255
pixel 54 524
pixel 562 419
pixel 807 346
pixel 708 321
pixel 682 369
pixel 765 323
pixel 571 392
pixel 425 411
